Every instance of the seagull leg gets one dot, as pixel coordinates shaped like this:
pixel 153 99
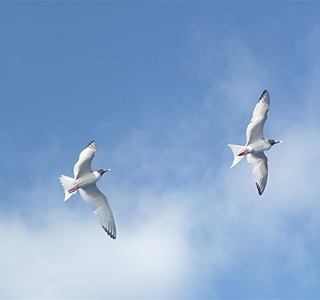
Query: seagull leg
pixel 74 189
pixel 243 153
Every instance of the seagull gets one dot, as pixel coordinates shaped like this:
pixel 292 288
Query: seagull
pixel 85 181
pixel 256 144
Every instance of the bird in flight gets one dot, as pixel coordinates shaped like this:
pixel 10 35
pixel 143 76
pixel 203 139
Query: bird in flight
pixel 256 144
pixel 85 181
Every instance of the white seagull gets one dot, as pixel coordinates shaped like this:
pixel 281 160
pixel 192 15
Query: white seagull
pixel 85 181
pixel 256 144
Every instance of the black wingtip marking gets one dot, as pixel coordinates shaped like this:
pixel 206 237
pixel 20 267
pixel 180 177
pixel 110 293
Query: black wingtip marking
pixel 263 93
pixel 91 145
pixel 260 191
pixel 113 236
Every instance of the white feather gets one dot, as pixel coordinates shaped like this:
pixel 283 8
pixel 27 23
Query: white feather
pixel 259 166
pixel 83 165
pixel 260 113
pixel 99 203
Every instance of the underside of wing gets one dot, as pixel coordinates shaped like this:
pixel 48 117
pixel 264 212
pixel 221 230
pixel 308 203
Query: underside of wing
pixel 83 165
pixel 99 203
pixel 259 166
pixel 259 117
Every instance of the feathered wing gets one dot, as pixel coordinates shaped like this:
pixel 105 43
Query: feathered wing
pixel 99 203
pixel 259 117
pixel 259 166
pixel 83 165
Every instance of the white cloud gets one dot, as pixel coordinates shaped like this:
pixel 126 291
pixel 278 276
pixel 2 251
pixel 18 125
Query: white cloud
pixel 175 239
pixel 71 256
pixel 188 225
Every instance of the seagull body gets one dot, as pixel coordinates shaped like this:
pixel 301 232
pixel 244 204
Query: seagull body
pixel 256 144
pixel 85 181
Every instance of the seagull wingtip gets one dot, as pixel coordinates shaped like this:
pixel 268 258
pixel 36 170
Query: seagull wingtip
pixel 260 190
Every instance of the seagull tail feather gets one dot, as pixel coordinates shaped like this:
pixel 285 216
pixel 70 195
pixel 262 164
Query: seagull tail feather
pixel 67 184
pixel 236 149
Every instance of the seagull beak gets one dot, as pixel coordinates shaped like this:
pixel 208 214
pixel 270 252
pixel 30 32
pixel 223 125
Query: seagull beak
pixel 102 171
pixel 278 142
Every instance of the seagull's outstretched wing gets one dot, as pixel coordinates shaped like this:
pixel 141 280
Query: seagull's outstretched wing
pixel 99 203
pixel 83 165
pixel 259 167
pixel 259 117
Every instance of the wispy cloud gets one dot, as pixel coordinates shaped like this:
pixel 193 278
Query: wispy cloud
pixel 188 225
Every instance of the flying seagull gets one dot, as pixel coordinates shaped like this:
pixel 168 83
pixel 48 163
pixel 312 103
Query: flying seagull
pixel 256 144
pixel 85 181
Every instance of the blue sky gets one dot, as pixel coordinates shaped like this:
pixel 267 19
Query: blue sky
pixel 162 87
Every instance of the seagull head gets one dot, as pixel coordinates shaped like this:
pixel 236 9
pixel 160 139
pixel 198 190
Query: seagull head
pixel 272 142
pixel 102 171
